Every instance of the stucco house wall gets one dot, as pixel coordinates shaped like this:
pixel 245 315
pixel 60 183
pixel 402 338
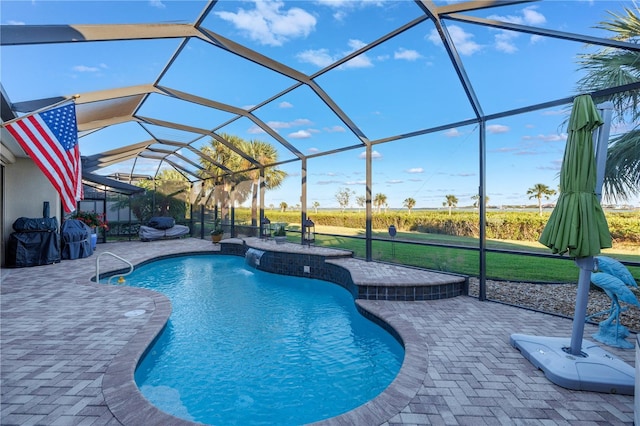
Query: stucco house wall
pixel 25 189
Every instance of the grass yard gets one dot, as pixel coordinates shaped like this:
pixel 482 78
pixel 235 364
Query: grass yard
pixel 500 266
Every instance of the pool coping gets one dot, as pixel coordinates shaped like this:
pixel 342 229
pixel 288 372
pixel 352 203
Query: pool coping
pixel 60 333
pixel 129 406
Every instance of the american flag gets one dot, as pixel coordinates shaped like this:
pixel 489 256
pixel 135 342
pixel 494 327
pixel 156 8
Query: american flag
pixel 51 140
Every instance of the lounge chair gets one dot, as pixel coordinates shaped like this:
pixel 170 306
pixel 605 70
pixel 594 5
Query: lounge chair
pixel 159 228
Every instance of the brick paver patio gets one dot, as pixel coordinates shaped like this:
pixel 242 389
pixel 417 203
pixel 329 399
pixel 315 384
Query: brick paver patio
pixel 69 347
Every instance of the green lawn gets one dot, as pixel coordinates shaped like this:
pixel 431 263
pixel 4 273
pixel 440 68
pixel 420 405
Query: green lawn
pixel 501 266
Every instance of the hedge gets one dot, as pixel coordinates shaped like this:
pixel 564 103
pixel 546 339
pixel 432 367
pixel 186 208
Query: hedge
pixel 518 226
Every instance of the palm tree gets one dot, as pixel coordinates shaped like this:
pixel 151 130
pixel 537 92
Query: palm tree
pixel 264 153
pixel 379 200
pixel 451 202
pixel 360 201
pixel 315 206
pixel 476 199
pixel 343 196
pixel 609 67
pixel 409 203
pixel 538 191
pixel 220 188
pixel 283 206
pixel 227 189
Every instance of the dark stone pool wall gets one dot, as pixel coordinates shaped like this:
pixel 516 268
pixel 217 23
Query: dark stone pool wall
pixel 280 262
pixel 320 267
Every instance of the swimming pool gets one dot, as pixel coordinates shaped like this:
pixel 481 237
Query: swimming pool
pixel 247 347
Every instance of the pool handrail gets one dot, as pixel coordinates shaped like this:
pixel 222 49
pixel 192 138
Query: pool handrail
pixel 117 257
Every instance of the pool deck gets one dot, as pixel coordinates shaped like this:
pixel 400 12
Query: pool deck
pixel 69 348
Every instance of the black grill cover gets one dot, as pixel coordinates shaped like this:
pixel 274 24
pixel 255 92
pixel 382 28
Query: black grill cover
pixel 76 239
pixel 33 249
pixel 25 224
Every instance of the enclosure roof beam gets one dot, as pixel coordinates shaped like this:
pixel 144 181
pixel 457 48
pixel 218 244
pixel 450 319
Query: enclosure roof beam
pixel 200 131
pixel 432 11
pixel 14 35
pixel 599 41
pixel 234 110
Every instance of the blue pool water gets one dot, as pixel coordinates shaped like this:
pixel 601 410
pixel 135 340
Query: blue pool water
pixel 245 347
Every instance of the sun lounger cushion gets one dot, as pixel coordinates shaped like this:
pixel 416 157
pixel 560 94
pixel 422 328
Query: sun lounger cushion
pixel 161 222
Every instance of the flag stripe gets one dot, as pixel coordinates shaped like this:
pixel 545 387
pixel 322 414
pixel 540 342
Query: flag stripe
pixel 55 150
pixel 22 135
pixel 54 158
pixel 50 138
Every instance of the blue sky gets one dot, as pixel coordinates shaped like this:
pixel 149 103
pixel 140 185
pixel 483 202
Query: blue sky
pixel 401 86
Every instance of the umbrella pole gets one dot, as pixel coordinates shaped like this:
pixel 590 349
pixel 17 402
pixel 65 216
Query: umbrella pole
pixel 601 139
pixel 584 281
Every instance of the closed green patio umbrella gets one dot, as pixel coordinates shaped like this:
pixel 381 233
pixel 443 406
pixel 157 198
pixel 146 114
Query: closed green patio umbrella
pixel 577 226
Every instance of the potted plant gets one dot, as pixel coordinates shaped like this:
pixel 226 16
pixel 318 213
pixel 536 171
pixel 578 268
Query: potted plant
pixel 280 235
pixel 217 231
pixel 92 219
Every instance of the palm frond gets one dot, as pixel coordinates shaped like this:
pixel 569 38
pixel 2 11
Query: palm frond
pixel 622 172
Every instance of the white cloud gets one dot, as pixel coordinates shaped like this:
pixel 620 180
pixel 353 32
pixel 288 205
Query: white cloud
pixel 313 150
pixel 461 39
pixel 285 105
pixel 453 133
pixel 288 124
pixel 269 25
pixel 335 129
pixel 535 38
pixel 554 137
pixel 356 44
pixel 339 15
pixel 300 134
pixel 374 155
pixel 406 54
pixel 323 58
pixel 278 124
pixel 533 17
pixel 85 68
pixel 360 61
pixel 255 130
pixel 320 57
pixel 505 40
pixel 555 112
pixel 528 16
pixel 395 181
pixel 415 170
pixel 497 128
pixel 157 3
pixel 301 122
pixel 15 22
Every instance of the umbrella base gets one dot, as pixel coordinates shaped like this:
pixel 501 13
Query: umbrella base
pixel 597 370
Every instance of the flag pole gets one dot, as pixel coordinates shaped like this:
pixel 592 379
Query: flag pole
pixel 45 108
